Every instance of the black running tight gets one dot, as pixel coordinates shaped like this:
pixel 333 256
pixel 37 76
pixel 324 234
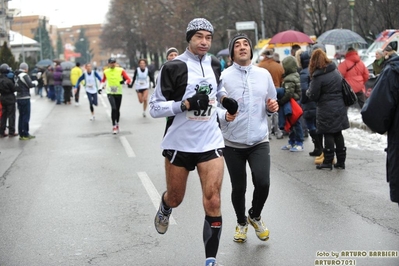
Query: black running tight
pixel 115 101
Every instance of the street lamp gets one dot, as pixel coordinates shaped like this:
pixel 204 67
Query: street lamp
pixel 352 5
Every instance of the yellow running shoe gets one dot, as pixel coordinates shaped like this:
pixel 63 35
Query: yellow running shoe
pixel 260 229
pixel 240 235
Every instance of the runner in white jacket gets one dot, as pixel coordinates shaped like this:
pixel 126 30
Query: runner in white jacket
pixel 246 137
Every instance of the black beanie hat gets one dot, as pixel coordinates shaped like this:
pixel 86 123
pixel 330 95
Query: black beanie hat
pixel 235 38
pixel 196 25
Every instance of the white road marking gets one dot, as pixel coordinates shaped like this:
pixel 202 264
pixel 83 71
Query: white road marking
pixel 128 148
pixel 153 192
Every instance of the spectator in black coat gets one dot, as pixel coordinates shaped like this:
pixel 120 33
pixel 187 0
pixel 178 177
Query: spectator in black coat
pixel 331 114
pixel 7 99
pixel 381 114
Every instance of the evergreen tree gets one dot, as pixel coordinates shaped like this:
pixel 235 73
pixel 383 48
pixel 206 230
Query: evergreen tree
pixel 42 36
pixel 82 46
pixel 7 57
pixel 60 46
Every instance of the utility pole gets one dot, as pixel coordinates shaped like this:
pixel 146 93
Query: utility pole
pixel 262 19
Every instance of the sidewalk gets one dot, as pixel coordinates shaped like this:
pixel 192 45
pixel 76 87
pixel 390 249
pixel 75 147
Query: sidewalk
pixel 355 119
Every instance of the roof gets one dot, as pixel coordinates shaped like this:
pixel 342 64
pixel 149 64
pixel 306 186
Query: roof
pixel 16 39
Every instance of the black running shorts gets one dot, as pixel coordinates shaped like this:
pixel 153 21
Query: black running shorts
pixel 189 160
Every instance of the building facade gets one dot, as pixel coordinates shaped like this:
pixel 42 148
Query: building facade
pixel 6 17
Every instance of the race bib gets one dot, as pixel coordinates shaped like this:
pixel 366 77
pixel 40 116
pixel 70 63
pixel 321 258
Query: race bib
pixel 114 89
pixel 202 115
pixel 90 86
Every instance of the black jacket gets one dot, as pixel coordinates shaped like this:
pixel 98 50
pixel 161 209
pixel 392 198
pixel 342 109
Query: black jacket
pixel 326 90
pixel 7 90
pixel 24 85
pixel 381 114
pixel 308 106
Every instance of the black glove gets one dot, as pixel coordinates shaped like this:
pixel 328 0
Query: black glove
pixel 230 104
pixel 198 102
pixel 99 91
pixel 130 85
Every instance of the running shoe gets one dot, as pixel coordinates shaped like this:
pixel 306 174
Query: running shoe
pixel 144 115
pixel 296 148
pixel 211 262
pixel 92 118
pixel 260 229
pixel 240 235
pixel 114 130
pixel 117 127
pixel 161 220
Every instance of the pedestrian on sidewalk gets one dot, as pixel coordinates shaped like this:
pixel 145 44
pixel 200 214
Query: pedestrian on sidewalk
pixel 23 86
pixel 50 83
pixel 246 138
pixel 381 114
pixel 276 70
pixel 355 73
pixel 332 115
pixel 308 106
pixel 141 77
pixel 59 90
pixel 187 93
pixel 67 84
pixel 8 100
pixel 291 88
pixel 92 87
pixel 112 78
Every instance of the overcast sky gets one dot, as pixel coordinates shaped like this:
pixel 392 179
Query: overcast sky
pixel 64 13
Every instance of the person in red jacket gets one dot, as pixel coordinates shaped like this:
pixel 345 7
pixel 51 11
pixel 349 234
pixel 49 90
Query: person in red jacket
pixel 356 73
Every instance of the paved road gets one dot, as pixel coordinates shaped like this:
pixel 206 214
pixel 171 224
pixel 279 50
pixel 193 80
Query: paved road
pixel 78 195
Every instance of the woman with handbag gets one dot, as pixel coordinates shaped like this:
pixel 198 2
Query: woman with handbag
pixel 356 73
pixel 332 115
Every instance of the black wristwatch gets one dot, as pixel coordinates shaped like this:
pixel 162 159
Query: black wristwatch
pixel 183 106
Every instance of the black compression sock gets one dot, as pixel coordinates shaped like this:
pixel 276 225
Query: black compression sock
pixel 211 235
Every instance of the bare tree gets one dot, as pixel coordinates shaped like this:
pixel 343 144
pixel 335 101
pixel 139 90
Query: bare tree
pixel 150 27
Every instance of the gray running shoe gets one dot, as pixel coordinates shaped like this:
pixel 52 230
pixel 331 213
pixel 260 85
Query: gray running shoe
pixel 161 220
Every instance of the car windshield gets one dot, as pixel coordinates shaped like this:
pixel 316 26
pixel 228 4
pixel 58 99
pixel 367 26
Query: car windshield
pixel 376 45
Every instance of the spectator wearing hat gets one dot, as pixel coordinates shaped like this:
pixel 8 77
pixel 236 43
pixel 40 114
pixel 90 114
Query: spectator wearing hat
pixel 187 93
pixel 24 84
pixel 291 89
pixel 7 100
pixel 355 73
pixel 112 82
pixel 276 70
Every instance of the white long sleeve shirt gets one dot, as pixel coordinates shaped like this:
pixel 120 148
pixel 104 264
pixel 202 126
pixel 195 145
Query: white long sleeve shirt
pixel 179 79
pixel 251 87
